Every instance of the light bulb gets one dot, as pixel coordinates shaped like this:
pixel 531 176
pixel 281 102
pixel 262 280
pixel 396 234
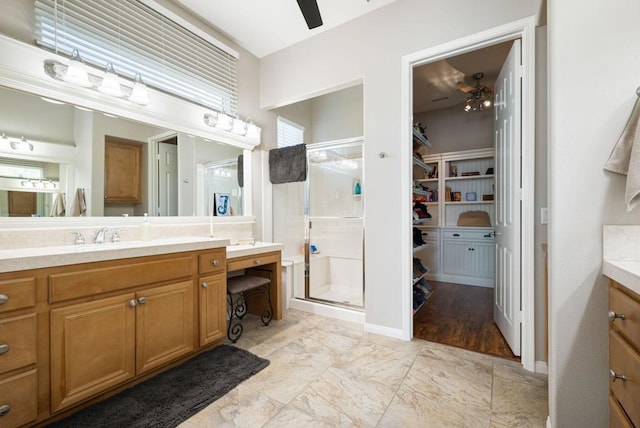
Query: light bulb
pixel 238 127
pixel 225 122
pixel 487 103
pixel 211 118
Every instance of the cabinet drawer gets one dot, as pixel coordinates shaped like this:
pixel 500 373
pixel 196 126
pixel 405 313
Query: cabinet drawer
pixel 17 342
pixel 212 262
pixel 465 234
pixel 17 294
pixel 65 286
pixel 624 360
pixel 252 261
pixel 19 399
pixel 621 303
pixel 617 417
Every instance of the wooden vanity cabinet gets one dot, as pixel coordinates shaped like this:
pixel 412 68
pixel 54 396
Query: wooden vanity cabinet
pixel 212 300
pixel 624 356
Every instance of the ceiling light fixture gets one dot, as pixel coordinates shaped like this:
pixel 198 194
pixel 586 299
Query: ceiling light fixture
pixel 479 98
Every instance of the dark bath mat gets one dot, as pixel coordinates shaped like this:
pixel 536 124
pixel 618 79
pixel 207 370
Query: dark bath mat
pixel 171 397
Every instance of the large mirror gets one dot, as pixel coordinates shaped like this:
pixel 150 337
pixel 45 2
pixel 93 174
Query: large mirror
pixel 79 162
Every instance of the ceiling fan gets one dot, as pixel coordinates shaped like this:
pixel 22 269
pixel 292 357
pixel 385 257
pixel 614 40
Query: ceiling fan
pixel 479 96
pixel 311 13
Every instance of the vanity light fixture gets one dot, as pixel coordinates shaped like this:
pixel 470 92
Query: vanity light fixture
pixel 225 122
pixel 21 144
pixel 211 119
pixel 239 127
pixel 111 83
pixel 253 132
pixel 139 94
pixel 77 72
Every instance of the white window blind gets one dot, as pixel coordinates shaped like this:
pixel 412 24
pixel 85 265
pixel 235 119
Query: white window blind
pixel 289 133
pixel 137 39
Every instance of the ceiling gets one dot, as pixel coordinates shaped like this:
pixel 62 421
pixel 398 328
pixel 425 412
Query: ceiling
pixel 434 84
pixel 266 26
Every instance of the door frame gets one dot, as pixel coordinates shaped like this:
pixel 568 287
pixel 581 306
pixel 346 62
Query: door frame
pixel 523 29
pixel 152 169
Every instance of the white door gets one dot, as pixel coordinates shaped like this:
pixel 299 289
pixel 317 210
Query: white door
pixel 507 140
pixel 167 179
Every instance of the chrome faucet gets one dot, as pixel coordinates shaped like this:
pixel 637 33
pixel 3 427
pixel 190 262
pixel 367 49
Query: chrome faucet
pixel 100 236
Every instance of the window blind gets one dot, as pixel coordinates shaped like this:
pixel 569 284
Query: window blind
pixel 289 132
pixel 137 39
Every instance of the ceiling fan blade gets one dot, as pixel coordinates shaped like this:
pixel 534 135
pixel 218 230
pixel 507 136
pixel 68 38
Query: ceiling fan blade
pixel 464 87
pixel 311 13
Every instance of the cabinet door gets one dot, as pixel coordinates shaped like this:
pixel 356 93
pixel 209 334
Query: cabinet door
pixel 213 304
pixel 456 257
pixel 92 348
pixel 122 172
pixel 164 324
pixel 483 260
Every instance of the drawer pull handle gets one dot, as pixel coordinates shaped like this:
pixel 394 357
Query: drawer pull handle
pixel 4 348
pixel 613 316
pixel 133 303
pixel 142 300
pixel 613 376
pixel 3 299
pixel 215 262
pixel 4 409
pixel 205 285
pixel 257 261
pixel 456 234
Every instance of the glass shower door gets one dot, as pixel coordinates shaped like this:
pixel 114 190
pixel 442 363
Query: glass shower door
pixel 335 229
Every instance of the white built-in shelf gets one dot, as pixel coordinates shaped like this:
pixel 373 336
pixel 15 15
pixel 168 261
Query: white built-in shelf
pixel 421 138
pixel 420 248
pixel 421 164
pixel 427 180
pixel 469 177
pixel 468 202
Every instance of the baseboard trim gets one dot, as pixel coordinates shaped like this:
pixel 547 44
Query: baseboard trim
pixel 549 422
pixel 541 367
pixel 396 333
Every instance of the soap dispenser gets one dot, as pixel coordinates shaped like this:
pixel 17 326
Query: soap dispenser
pixel 145 229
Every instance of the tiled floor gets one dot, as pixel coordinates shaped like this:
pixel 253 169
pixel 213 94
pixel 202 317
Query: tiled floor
pixel 329 373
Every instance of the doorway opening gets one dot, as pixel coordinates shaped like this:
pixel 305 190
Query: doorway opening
pixel 511 190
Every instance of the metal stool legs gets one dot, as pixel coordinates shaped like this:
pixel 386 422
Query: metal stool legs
pixel 242 288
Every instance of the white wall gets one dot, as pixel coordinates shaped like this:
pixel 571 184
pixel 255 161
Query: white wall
pixel 592 53
pixel 370 49
pixel 337 115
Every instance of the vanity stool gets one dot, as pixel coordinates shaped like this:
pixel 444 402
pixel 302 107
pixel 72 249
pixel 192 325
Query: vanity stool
pixel 239 288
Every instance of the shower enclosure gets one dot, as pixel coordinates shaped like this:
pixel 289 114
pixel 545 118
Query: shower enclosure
pixel 334 229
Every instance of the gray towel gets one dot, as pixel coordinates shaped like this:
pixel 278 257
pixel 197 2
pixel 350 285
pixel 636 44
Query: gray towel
pixel 79 207
pixel 625 158
pixel 288 164
pixel 58 208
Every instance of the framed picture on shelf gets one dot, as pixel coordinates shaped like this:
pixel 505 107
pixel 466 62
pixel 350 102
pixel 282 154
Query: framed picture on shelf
pixel 456 196
pixel 221 204
pixel 453 170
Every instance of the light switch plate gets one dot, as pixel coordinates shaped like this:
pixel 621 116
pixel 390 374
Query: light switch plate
pixel 544 215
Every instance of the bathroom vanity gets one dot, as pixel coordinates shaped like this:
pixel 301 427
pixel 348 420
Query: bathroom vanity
pixel 79 323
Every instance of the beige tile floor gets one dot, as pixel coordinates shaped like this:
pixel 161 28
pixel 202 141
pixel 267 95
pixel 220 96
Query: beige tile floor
pixel 329 373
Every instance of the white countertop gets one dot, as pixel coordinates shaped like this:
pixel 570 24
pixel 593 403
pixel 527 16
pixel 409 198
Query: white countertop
pixel 41 257
pixel 241 250
pixel 621 255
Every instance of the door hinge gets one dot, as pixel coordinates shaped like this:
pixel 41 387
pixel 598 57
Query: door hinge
pixel 521 193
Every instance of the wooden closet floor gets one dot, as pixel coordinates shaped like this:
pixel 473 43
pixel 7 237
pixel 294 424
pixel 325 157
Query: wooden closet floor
pixel 462 316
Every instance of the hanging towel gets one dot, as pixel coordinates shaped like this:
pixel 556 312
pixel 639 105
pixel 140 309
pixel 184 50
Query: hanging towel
pixel 240 171
pixel 625 157
pixel 58 208
pixel 79 204
pixel 288 164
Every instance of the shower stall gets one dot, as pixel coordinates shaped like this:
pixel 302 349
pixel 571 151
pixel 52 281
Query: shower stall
pixel 321 223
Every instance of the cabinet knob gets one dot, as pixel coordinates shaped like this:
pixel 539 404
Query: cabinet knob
pixel 205 285
pixel 257 261
pixel 4 348
pixel 132 303
pixel 142 300
pixel 5 409
pixel 613 316
pixel 215 262
pixel 3 299
pixel 613 376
